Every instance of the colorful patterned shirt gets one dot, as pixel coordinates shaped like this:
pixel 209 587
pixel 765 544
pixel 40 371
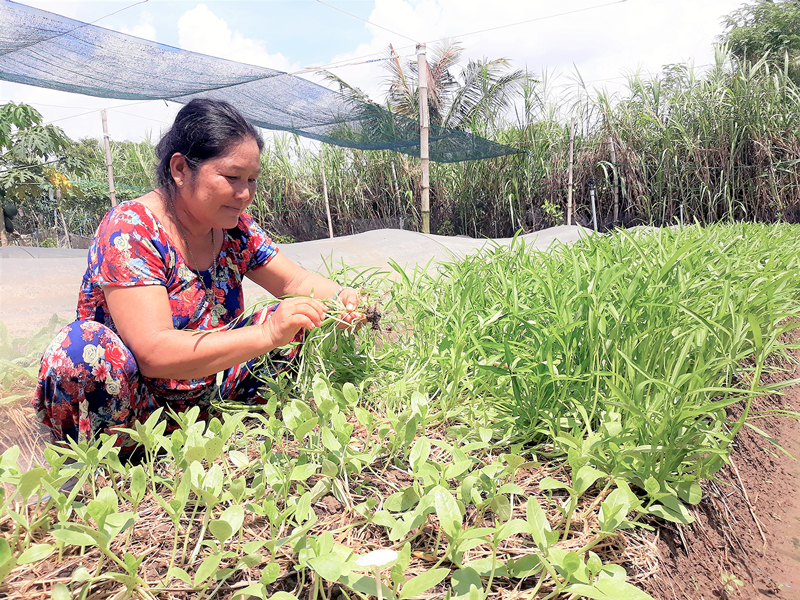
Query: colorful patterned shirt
pixel 131 247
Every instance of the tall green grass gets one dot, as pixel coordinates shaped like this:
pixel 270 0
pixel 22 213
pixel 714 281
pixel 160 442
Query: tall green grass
pixel 719 144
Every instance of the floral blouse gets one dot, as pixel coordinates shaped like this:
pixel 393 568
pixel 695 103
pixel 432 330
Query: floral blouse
pixel 131 247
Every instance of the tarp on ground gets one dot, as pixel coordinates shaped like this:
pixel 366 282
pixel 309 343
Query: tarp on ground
pixel 48 50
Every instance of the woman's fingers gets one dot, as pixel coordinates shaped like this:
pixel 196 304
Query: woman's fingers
pixel 291 316
pixel 350 299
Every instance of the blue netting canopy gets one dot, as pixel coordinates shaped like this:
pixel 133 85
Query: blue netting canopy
pixel 48 50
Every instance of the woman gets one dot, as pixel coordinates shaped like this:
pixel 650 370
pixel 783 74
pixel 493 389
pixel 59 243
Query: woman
pixel 163 269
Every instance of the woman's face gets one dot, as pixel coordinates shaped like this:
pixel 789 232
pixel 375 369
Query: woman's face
pixel 218 191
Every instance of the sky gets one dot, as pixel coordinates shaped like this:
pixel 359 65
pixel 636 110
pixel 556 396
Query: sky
pixel 599 41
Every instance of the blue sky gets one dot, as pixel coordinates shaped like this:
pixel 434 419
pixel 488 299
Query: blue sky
pixel 602 40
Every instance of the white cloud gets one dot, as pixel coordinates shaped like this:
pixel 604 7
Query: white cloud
pixel 603 44
pixel 200 30
pixel 144 29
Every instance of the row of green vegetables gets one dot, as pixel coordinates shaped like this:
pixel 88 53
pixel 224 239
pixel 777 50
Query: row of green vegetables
pixel 614 359
pixel 217 494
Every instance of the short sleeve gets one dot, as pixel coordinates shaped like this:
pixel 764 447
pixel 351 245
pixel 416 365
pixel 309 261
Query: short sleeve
pixel 258 248
pixel 127 250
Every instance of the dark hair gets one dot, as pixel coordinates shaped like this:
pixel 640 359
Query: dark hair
pixel 203 129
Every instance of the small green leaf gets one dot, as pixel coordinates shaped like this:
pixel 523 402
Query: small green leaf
pixel 422 583
pixel 303 511
pixel 510 488
pixel 525 566
pixel 609 588
pixel 585 478
pixel 303 472
pixel 7 560
pixel 60 592
pixel 483 566
pixel 256 590
pixel 305 427
pixel 548 483
pixel 138 484
pixel 81 575
pixel 328 565
pixel 75 538
pixel 652 487
pixel 205 570
pixel 501 506
pixel 194 454
pixel 220 529
pixel 270 573
pixel 465 578
pixel 213 448
pixel 447 511
pixel 35 554
pixel 350 393
pixel 419 453
pixel 690 492
pixel 30 481
pixel 329 440
pixel 329 468
pixel 239 459
pixel 234 516
pixel 540 530
pixel 671 509
pixel 402 501
pixel 249 561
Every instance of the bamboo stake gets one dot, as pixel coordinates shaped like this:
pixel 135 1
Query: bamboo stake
pixel 571 155
pixel 397 194
pixel 422 68
pixel 63 220
pixel 325 189
pixel 615 184
pixel 111 190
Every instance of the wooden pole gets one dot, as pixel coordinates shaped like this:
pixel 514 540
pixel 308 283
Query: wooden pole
pixel 325 188
pixel 616 179
pixel 63 220
pixel 571 156
pixel 422 68
pixel 397 194
pixel 111 190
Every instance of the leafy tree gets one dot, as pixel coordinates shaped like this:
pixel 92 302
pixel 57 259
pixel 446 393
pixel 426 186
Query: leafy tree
pixel 33 157
pixel 766 27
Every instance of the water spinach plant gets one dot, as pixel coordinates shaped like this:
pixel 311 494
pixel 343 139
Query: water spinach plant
pixel 511 417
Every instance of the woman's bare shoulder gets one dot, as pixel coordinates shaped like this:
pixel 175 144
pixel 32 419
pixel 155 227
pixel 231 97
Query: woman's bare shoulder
pixel 152 200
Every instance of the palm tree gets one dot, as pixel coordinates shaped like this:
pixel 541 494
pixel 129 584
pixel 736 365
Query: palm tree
pixel 478 94
pixel 481 91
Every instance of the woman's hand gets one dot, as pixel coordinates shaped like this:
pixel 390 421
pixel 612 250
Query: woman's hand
pixel 292 315
pixel 350 299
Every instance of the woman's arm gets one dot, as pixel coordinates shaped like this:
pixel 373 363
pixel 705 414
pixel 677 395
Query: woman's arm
pixel 281 278
pixel 143 319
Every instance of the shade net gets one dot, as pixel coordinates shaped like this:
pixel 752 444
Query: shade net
pixel 48 50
